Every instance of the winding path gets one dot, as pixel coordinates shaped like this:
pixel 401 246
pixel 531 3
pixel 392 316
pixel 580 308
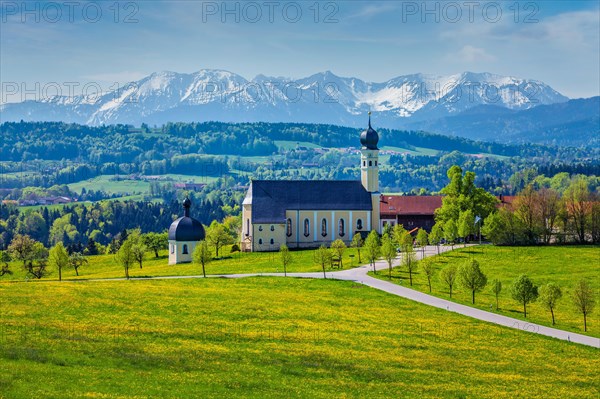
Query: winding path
pixel 359 275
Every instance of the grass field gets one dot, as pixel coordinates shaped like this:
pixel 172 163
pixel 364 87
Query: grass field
pixel 266 338
pixel 561 265
pixel 129 187
pixel 105 266
pixel 290 145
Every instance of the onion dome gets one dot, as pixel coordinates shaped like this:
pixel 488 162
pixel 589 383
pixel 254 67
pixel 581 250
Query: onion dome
pixel 186 228
pixel 369 138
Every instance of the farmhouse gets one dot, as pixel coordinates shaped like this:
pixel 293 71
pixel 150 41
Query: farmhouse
pixel 304 214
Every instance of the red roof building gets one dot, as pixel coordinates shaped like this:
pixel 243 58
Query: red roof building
pixel 411 211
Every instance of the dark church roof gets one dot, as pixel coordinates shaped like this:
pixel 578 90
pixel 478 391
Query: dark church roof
pixel 186 228
pixel 271 198
pixel 369 138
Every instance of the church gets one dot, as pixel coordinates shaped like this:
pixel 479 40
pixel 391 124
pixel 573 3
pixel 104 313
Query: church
pixel 307 214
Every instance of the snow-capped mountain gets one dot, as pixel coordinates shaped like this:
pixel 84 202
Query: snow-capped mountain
pixel 320 98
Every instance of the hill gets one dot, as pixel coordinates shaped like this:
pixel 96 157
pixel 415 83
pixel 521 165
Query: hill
pixel 576 123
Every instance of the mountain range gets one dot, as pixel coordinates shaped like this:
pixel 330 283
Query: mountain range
pixel 321 98
pixel 479 106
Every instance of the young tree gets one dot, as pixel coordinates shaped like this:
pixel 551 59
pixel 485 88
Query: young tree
pixel 448 276
pixel 496 289
pixel 217 235
pixel 450 232
pixel 471 277
pixel 584 300
pixel 59 258
pixel 5 258
pixel 338 247
pixel 549 295
pixel 524 291
pixel 428 270
pixel 388 251
pixel 124 256
pixel 76 260
pixel 286 258
pixel 436 235
pixel 322 257
pixel 422 240
pixel 138 250
pixel 357 242
pixel 398 234
pixel 155 242
pixel 372 248
pixel 202 255
pixel 409 261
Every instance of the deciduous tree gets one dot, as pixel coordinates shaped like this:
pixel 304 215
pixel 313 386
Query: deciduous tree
pixel 357 242
pixel 286 257
pixel 549 296
pixel 322 257
pixel 428 270
pixel 217 235
pixel 584 300
pixel 338 247
pixel 422 240
pixel 59 258
pixel 372 248
pixel 524 291
pixel 76 260
pixel 202 255
pixel 471 277
pixel 156 242
pixel 388 251
pixel 448 276
pixel 436 235
pixel 496 289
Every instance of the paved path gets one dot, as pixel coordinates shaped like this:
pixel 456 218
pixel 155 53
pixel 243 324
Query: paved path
pixel 359 275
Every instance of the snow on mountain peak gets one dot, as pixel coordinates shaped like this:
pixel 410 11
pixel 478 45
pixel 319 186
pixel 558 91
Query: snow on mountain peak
pixel 210 94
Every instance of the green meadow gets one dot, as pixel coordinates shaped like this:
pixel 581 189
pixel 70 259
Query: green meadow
pixel 105 266
pixel 267 337
pixel 561 265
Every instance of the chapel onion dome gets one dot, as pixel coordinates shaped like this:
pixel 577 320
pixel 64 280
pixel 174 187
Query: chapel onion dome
pixel 369 138
pixel 186 228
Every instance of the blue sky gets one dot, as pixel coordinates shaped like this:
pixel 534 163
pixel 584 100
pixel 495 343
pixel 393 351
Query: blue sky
pixel 557 42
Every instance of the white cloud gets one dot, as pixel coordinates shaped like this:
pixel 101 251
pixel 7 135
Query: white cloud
pixel 474 54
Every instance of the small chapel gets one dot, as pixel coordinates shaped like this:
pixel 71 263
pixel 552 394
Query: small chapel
pixel 184 235
pixel 307 214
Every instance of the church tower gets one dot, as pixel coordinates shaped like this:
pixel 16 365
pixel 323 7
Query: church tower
pixel 369 171
pixel 369 159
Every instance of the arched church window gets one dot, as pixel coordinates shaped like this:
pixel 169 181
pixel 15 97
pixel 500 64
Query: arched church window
pixel 306 227
pixel 375 163
pixel 260 241
pixel 364 163
pixel 324 227
pixel 259 228
pixel 272 241
pixel 247 227
pixel 272 228
pixel 359 224
pixel 341 228
pixel 370 163
pixel 185 249
pixel 172 248
pixel 288 228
